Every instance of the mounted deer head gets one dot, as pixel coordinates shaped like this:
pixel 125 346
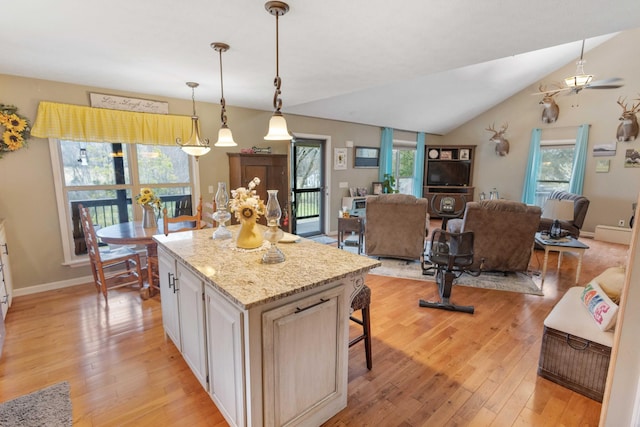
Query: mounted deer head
pixel 628 128
pixel 502 145
pixel 551 110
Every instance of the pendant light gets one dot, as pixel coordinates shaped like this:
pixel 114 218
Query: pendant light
pixel 195 146
pixel 225 138
pixel 277 125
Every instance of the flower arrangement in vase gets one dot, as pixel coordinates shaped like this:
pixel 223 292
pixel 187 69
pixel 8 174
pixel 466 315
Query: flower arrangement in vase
pixel 247 208
pixel 148 200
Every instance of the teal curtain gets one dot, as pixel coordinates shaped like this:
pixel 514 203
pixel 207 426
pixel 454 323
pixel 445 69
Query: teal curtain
pixel 418 166
pixel 579 160
pixel 386 153
pixel 533 165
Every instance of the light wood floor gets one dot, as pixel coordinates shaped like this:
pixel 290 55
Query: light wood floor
pixel 430 367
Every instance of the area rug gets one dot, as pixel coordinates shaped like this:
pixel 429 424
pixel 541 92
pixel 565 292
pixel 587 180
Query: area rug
pixel 512 282
pixel 50 407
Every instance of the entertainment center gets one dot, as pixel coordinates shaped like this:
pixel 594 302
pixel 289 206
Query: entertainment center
pixel 448 171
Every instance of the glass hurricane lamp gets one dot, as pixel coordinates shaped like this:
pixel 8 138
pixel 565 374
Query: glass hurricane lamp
pixel 273 234
pixel 222 215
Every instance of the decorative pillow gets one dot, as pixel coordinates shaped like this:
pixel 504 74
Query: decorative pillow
pixel 603 311
pixel 611 281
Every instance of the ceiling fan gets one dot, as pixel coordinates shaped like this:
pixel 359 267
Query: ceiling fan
pixel 581 80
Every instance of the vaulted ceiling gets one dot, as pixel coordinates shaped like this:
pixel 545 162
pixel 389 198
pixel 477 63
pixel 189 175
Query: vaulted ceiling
pixel 421 65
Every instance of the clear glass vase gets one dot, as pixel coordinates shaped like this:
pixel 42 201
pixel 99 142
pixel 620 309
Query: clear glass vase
pixel 273 233
pixel 222 215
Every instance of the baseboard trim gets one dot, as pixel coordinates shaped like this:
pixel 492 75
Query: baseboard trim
pixel 52 286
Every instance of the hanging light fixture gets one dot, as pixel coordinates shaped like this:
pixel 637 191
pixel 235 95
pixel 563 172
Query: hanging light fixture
pixel 225 138
pixel 195 146
pixel 580 79
pixel 277 125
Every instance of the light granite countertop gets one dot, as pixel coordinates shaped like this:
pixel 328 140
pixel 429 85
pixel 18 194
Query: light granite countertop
pixel 248 282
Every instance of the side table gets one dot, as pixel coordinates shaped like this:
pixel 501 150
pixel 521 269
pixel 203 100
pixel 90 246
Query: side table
pixel 565 244
pixel 350 225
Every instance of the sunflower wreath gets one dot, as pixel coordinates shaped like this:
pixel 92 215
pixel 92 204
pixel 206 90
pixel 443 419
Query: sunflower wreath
pixel 14 129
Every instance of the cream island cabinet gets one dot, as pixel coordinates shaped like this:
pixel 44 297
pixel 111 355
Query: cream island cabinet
pixel 269 343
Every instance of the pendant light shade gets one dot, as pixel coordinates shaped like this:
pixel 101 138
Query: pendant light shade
pixel 195 146
pixel 277 125
pixel 225 138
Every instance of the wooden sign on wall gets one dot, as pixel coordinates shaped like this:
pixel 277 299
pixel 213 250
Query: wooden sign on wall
pixel 114 102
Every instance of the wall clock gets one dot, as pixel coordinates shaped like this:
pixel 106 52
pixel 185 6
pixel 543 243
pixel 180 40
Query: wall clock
pixel 433 154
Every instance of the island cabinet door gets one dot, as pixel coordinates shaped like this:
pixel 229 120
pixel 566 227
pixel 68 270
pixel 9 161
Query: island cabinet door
pixel 6 285
pixel 226 355
pixel 169 297
pixel 191 309
pixel 304 351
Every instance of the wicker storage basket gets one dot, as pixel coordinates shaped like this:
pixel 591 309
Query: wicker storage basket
pixel 573 362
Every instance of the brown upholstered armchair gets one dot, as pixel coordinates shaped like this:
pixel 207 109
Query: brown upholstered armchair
pixel 504 233
pixel 396 226
pixel 580 207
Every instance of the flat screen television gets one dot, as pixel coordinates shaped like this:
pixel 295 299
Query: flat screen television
pixel 448 173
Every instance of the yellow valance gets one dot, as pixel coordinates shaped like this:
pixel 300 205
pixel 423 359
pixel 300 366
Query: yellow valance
pixel 81 123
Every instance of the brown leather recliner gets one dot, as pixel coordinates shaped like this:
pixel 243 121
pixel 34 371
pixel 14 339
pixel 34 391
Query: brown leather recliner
pixel 396 226
pixel 504 233
pixel 580 207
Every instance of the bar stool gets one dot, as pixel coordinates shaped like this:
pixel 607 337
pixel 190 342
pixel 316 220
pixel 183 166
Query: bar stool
pixel 361 301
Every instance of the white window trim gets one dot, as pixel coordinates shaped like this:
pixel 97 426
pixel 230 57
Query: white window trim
pixel 70 259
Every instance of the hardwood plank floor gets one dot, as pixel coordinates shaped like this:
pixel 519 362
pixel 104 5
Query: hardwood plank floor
pixel 430 367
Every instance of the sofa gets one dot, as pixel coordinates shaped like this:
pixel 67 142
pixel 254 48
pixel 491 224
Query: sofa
pixel 504 233
pixel 396 226
pixel 580 207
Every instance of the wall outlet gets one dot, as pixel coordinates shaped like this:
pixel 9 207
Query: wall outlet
pixel 344 185
pixel 621 223
pixel 211 189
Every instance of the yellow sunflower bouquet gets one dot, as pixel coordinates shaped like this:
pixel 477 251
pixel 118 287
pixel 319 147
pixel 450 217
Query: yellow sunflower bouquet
pixel 148 197
pixel 14 129
pixel 245 203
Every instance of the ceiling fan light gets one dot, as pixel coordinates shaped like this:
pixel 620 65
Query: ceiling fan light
pixel 278 129
pixel 225 138
pixel 579 80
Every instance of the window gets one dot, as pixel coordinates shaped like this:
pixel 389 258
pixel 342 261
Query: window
pixel 105 177
pixel 556 168
pixel 402 168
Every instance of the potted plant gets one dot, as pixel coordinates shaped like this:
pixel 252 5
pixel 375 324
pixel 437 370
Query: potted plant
pixel 388 184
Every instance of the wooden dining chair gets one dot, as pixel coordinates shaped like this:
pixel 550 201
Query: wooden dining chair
pixel 102 261
pixel 184 223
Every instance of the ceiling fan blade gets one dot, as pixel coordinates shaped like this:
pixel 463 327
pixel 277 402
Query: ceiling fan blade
pixel 546 92
pixel 611 83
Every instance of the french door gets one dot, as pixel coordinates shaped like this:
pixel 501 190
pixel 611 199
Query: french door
pixel 307 187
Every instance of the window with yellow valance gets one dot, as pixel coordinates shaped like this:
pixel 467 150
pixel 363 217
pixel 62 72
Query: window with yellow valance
pixel 81 123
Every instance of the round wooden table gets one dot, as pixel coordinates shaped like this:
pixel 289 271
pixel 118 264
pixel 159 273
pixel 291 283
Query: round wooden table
pixel 132 233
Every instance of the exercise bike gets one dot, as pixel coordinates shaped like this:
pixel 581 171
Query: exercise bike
pixel 448 255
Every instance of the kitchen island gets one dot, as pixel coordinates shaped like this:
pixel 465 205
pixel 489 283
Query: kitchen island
pixel 268 342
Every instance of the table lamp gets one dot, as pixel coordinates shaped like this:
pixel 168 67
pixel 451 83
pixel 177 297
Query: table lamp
pixel 557 210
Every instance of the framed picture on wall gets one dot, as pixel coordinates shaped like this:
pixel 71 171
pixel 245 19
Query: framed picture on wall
pixel 446 155
pixel 464 154
pixel 340 158
pixel 366 157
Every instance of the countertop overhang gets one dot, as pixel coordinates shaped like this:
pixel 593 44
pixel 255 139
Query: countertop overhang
pixel 242 276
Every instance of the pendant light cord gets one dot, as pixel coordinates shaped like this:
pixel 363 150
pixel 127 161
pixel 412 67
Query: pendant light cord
pixel 277 101
pixel 223 104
